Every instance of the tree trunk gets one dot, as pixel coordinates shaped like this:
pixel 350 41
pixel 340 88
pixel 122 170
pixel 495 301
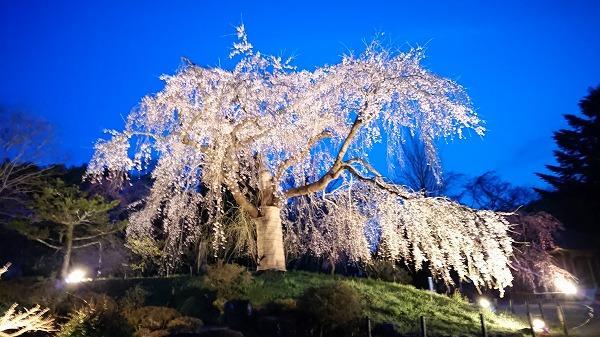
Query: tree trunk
pixel 64 272
pixel 269 239
pixel 332 262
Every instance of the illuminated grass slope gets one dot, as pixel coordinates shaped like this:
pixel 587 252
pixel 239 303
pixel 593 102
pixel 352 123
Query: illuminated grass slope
pixel 401 305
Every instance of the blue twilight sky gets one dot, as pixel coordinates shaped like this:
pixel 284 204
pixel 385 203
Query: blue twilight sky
pixel 83 64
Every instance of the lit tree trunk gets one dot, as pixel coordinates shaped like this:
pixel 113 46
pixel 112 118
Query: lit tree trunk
pixel 332 263
pixel 269 234
pixel 269 237
pixel 68 249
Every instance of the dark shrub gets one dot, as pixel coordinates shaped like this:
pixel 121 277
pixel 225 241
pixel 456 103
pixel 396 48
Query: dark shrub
pixel 184 324
pixel 220 333
pixel 161 321
pixel 196 302
pixel 98 318
pixel 151 318
pixel 282 325
pixel 388 271
pixel 228 281
pixel 282 305
pixel 134 297
pixel 237 313
pixel 332 306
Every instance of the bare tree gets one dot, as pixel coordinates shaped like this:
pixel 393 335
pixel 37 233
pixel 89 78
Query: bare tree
pixel 23 140
pixel 489 191
pixel 414 169
pixel 534 237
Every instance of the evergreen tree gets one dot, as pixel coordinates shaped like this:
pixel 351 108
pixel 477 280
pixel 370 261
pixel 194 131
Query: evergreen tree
pixel 65 218
pixel 575 197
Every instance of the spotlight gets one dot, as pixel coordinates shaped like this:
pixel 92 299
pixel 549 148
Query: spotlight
pixel 484 303
pixel 76 276
pixel 538 324
pixel 565 286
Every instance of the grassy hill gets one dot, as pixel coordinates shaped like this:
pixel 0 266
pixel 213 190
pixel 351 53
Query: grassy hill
pixel 401 305
pixel 384 302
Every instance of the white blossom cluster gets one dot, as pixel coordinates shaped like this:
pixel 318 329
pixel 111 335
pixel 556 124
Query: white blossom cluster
pixel 270 135
pixel 453 239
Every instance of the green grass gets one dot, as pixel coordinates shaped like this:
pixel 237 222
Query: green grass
pixel 401 305
pixel 384 302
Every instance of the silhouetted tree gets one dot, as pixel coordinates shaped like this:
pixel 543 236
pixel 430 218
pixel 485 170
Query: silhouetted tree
pixel 575 197
pixel 23 140
pixel 415 171
pixel 489 191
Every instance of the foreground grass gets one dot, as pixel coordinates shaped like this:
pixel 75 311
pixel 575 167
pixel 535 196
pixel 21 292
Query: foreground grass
pixel 384 302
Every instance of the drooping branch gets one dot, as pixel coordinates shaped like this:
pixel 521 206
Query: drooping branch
pixel 232 184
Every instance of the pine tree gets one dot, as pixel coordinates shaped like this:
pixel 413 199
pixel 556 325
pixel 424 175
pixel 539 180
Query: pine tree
pixel 65 218
pixel 575 197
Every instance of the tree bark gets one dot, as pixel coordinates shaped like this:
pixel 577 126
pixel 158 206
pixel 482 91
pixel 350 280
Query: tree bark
pixel 64 272
pixel 269 239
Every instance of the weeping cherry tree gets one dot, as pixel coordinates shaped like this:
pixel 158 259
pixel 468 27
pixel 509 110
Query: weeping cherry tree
pixel 291 147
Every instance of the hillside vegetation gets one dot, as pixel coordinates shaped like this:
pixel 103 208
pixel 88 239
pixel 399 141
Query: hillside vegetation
pixel 383 302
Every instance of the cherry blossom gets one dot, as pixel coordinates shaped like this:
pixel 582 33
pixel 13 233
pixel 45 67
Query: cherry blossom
pixel 279 140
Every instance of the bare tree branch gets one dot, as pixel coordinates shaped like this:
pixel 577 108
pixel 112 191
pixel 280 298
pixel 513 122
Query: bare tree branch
pixel 5 268
pixel 16 323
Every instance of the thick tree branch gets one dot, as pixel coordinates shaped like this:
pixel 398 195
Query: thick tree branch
pixel 47 244
pixel 378 181
pixel 120 228
pixel 335 170
pixel 242 201
pixel 5 268
pixel 295 159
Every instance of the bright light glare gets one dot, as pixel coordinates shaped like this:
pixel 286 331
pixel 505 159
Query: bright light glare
pixel 76 276
pixel 565 286
pixel 484 303
pixel 538 324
